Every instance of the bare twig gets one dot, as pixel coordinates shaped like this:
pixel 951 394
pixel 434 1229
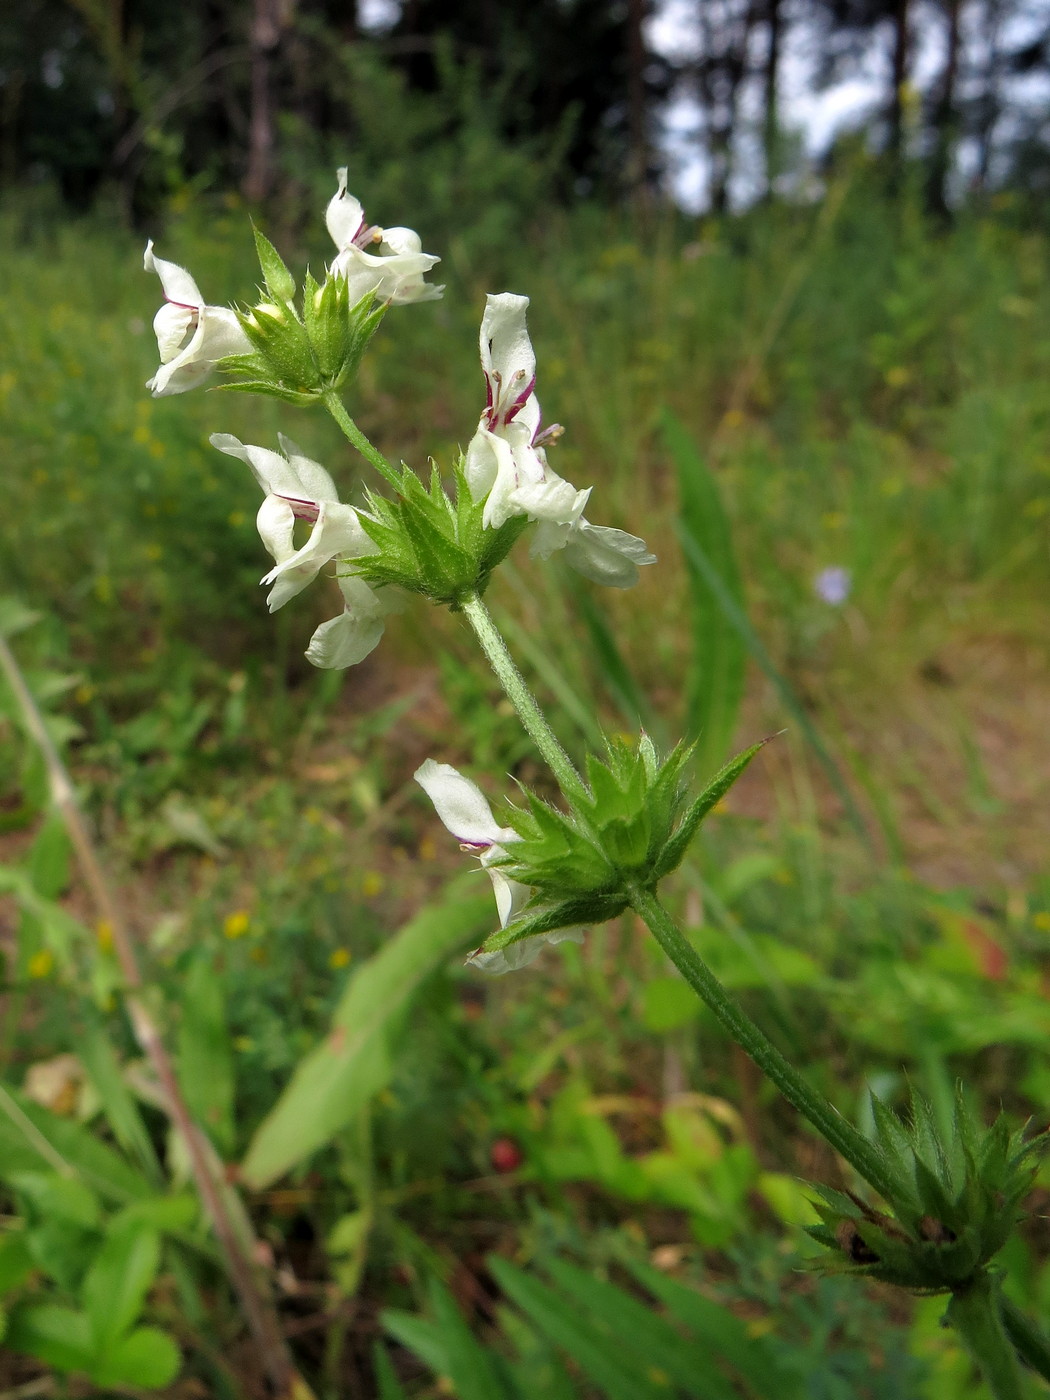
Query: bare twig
pixel 259 1312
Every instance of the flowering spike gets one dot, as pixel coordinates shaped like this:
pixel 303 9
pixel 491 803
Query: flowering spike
pixel 506 464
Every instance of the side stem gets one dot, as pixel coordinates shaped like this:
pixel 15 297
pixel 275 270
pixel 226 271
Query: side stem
pixel 862 1155
pixel 975 1314
pixel 258 1310
pixel 521 697
pixel 334 405
pixel 1031 1344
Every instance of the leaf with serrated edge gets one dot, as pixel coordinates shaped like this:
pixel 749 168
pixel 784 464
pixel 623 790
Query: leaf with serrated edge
pixel 279 281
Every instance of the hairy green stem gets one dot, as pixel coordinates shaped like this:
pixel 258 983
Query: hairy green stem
pixel 975 1314
pixel 862 1155
pixel 1031 1344
pixel 334 405
pixel 521 697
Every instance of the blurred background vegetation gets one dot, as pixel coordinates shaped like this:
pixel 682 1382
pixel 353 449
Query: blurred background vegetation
pixel 847 374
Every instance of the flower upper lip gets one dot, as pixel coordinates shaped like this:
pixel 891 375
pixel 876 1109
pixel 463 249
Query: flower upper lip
pixel 387 261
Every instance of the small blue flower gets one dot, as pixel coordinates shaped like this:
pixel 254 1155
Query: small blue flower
pixel 832 585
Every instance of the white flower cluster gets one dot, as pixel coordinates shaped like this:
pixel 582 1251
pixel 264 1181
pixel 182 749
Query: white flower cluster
pixel 192 336
pixel 506 462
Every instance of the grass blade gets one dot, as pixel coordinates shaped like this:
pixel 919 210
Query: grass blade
pixel 715 685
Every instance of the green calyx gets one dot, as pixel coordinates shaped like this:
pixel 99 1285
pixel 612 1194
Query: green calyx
pixel 956 1207
pixel 431 544
pixel 300 356
pixel 631 827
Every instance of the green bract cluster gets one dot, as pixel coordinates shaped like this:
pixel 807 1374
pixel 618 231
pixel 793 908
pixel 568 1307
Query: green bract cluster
pixel 957 1206
pixel 301 357
pixel 431 544
pixel 629 828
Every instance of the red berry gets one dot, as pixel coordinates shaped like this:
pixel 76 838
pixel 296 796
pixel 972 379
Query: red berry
pixel 505 1155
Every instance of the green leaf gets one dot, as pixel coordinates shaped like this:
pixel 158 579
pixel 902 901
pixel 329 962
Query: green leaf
pixel 170 1215
pixel 273 391
pixel 58 1336
pixel 355 1061
pixel 15 617
pixel 279 280
pixel 118 1280
pixel 48 861
pixel 597 1352
pixel 118 1102
pixel 715 685
pixel 668 1004
pixel 725 1335
pixel 674 851
pixel 655 1344
pixel 740 621
pixel 205 1055
pixel 347 1249
pixel 32 1138
pixel 418 1334
pixel 56 1197
pixel 16 1262
pixel 568 913
pixel 147 1359
pixel 387 1384
pixel 470 1367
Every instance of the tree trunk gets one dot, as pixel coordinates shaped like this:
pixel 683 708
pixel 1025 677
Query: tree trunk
pixel 944 120
pixel 770 115
pixel 637 125
pixel 723 66
pixel 901 57
pixel 988 105
pixel 269 19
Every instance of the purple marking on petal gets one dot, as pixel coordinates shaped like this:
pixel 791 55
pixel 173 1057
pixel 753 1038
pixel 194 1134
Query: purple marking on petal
pixel 475 848
pixel 303 510
pixel 520 400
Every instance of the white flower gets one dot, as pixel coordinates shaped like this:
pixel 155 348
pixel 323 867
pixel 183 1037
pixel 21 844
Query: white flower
pixel 506 463
pixel 464 810
pixel 297 488
pixel 390 262
pixel 190 335
pixel 502 454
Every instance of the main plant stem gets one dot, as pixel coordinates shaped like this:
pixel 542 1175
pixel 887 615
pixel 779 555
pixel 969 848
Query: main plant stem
pixel 976 1315
pixel 987 1323
pixel 857 1150
pixel 520 696
pixel 334 405
pixel 258 1311
pixel 862 1155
